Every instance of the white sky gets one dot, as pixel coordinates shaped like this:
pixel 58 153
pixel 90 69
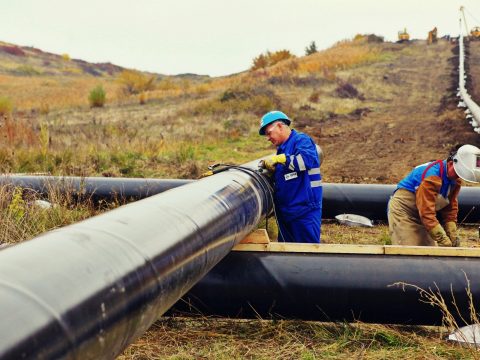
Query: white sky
pixel 214 37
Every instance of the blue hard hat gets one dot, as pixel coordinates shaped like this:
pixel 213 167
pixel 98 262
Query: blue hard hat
pixel 270 117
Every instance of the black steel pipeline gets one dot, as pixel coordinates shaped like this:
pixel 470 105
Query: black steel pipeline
pixel 368 200
pixel 94 188
pixel 331 287
pixel 371 200
pixel 88 290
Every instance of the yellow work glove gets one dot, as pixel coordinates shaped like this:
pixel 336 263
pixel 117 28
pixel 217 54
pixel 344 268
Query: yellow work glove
pixel 451 230
pixel 270 162
pixel 440 236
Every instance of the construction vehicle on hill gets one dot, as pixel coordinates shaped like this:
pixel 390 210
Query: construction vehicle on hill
pixel 403 36
pixel 432 36
pixel 475 31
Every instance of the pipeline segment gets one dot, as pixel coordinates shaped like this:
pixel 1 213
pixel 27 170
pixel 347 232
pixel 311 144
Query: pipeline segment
pixel 333 287
pixel 88 290
pixel 371 200
pixel 94 188
pixel 368 200
pixel 473 110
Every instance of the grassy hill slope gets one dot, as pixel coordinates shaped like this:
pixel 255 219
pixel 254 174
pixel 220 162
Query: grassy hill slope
pixel 377 109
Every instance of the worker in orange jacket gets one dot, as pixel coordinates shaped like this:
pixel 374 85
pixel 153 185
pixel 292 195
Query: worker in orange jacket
pixel 430 188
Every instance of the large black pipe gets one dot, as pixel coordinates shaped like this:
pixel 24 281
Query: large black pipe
pixel 333 287
pixel 88 290
pixel 369 200
pixel 94 188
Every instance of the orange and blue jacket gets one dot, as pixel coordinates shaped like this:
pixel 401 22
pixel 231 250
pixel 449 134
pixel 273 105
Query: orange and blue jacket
pixel 434 191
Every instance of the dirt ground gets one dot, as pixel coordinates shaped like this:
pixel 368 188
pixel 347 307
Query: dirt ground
pixel 413 118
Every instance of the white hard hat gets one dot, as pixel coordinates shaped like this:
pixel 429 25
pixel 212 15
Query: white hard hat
pixel 466 163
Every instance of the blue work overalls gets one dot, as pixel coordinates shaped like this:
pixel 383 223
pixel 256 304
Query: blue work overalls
pixel 298 190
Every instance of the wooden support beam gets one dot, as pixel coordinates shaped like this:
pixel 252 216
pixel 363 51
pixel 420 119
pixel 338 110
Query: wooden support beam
pixel 259 236
pixel 359 249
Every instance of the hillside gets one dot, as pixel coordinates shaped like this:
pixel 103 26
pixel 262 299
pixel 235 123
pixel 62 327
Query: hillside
pixel 29 61
pixel 377 109
pixel 39 80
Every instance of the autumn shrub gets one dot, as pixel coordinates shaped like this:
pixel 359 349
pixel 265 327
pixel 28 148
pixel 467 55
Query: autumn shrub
pixel 368 38
pixel 270 58
pixel 314 96
pixel 12 50
pixel 6 106
pixel 97 96
pixel 27 70
pixel 135 82
pixel 44 108
pixel 142 98
pixel 167 84
pixel 346 90
pixel 256 100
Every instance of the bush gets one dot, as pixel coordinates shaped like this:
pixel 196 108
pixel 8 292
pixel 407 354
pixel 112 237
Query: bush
pixel 369 38
pixel 12 50
pixel 135 82
pixel 142 98
pixel 6 106
pixel 97 96
pixel 314 97
pixel 346 90
pixel 311 49
pixel 269 59
pixel 256 100
pixel 27 70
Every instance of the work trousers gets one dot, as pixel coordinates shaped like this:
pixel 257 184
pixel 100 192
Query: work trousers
pixel 404 222
pixel 305 229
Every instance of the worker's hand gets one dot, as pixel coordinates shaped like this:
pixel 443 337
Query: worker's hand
pixel 205 174
pixel 440 236
pixel 456 242
pixel 451 230
pixel 452 233
pixel 270 162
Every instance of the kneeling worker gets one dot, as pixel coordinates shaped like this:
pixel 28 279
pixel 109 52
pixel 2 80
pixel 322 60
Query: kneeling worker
pixel 297 180
pixel 432 187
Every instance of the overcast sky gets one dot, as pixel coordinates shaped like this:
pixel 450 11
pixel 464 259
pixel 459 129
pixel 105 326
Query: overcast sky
pixel 214 37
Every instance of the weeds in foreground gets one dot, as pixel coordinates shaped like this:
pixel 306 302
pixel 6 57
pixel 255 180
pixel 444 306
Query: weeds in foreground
pixel 214 338
pixel 25 214
pixel 453 317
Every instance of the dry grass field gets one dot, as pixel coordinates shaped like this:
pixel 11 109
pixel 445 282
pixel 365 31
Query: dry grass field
pixel 376 109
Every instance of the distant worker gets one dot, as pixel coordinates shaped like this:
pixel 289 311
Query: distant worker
pixel 297 180
pixel 432 187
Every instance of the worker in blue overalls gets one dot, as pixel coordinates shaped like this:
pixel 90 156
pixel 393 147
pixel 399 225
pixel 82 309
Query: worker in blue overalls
pixel 297 180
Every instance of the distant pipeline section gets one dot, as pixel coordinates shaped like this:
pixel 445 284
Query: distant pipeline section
pixel 472 109
pixel 368 200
